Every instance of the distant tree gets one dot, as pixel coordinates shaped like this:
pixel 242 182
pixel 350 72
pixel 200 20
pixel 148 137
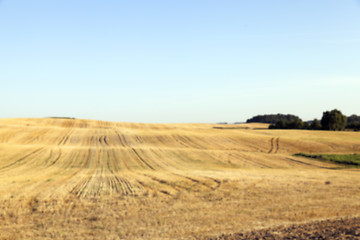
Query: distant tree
pixel 273 118
pixel 315 125
pixel 296 124
pixel 283 124
pixel 333 120
pixel 306 125
pixel 353 122
pixel 353 119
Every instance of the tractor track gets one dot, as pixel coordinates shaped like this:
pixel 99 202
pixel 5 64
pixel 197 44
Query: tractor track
pixel 274 145
pixel 20 160
pixel 308 164
pixel 142 159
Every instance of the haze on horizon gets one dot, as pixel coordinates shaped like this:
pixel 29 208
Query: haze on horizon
pixel 178 61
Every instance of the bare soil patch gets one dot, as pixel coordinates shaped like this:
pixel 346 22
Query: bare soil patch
pixel 348 228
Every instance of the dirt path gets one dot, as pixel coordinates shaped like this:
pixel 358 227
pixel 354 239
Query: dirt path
pixel 328 229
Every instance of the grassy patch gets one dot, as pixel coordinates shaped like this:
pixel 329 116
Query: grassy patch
pixel 349 160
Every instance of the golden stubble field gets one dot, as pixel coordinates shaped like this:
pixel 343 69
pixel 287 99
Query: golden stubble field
pixel 84 179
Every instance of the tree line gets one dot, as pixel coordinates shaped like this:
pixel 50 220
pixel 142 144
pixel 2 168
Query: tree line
pixel 332 120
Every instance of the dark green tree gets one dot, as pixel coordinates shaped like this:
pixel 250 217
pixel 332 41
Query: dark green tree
pixel 306 125
pixel 333 120
pixel 315 125
pixel 273 118
pixel 353 122
pixel 282 124
pixel 296 124
pixel 353 119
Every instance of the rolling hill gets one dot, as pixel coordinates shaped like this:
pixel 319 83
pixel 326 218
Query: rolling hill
pixel 47 164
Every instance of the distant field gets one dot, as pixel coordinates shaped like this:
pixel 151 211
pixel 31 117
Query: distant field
pixel 81 179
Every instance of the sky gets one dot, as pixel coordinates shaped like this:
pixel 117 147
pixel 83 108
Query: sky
pixel 199 61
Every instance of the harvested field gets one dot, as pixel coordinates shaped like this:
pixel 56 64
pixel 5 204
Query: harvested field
pixel 69 178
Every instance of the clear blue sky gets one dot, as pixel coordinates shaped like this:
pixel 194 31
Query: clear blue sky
pixel 178 61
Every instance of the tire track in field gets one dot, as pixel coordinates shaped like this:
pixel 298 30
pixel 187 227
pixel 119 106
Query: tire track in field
pixel 122 139
pixel 277 145
pixel 271 145
pixel 142 159
pixel 195 181
pixel 20 160
pixel 34 137
pixel 179 188
pixel 187 141
pixel 46 162
pixel 218 183
pixel 172 185
pixel 308 164
pixel 106 141
pixel 103 141
pixel 57 158
pixel 241 158
pixel 274 145
pixel 65 139
pixel 145 186
pixel 63 173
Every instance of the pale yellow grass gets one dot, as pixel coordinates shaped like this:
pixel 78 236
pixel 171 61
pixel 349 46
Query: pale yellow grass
pixel 81 179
